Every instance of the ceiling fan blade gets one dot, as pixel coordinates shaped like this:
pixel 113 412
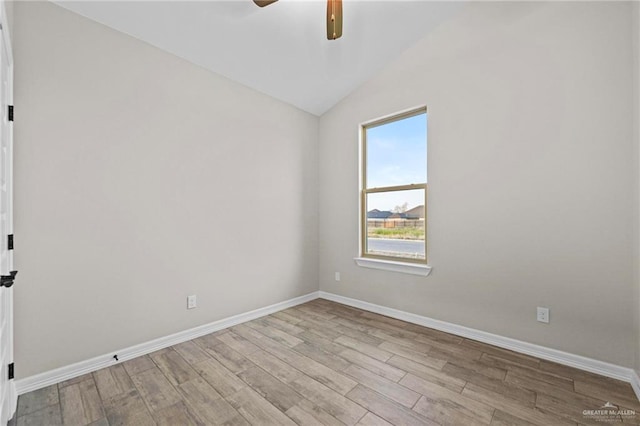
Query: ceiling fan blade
pixel 334 19
pixel 263 3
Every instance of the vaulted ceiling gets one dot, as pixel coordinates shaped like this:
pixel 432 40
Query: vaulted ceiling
pixel 280 50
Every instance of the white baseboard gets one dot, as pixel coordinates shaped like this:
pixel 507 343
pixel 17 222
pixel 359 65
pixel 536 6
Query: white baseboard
pixel 58 375
pixel 565 358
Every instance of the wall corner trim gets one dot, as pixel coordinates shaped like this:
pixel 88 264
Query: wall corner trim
pixel 58 375
pixel 577 361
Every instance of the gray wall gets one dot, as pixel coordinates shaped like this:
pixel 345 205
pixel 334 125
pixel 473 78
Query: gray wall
pixel 531 174
pixel 141 179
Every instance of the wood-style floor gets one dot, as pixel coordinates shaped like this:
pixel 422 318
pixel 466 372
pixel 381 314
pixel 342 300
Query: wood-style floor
pixel 326 363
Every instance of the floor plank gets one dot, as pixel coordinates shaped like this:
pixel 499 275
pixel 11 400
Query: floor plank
pixel 155 389
pixel 371 419
pixel 177 414
pixel 49 416
pixel 335 404
pixel 256 410
pixel 208 340
pixel 500 418
pixel 322 356
pixel 223 380
pixel 285 316
pixel 238 343
pixel 275 366
pixel 445 403
pixel 191 352
pixel 283 325
pixel 358 335
pixel 443 413
pixel 527 371
pixel 74 380
pixel 372 351
pixel 315 328
pixel 391 390
pixel 206 403
pixel 522 395
pixel 127 409
pixel 174 367
pixel 307 413
pixel 504 354
pixel 386 409
pixel 413 355
pixel 80 403
pixel 112 381
pixel 388 371
pixel 37 400
pixel 427 373
pixel 512 406
pixel 230 358
pixel 138 365
pixel 273 390
pixel 313 313
pixel 274 333
pixel 326 344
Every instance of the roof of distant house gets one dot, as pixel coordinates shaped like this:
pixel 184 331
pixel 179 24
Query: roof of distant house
pixel 377 214
pixel 415 213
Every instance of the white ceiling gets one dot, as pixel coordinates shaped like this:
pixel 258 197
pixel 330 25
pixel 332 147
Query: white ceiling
pixel 280 50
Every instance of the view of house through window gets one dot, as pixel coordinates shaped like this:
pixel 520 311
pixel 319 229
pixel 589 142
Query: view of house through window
pixel 394 190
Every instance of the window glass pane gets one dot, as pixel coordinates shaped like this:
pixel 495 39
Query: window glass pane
pixel 395 224
pixel 397 152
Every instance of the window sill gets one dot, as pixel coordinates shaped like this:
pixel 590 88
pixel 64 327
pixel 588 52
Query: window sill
pixel 389 265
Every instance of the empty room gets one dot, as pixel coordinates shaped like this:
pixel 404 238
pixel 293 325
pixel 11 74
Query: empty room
pixel 319 212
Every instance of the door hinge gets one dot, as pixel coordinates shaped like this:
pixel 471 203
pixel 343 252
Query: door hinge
pixel 10 112
pixel 11 372
pixel 10 242
pixel 7 280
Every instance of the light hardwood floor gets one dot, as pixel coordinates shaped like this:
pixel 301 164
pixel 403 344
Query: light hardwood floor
pixel 326 363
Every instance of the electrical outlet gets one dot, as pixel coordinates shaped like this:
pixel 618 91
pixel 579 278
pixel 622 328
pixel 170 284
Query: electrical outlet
pixel 337 276
pixel 191 302
pixel 543 315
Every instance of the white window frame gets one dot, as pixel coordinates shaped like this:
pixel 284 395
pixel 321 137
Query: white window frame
pixel 388 263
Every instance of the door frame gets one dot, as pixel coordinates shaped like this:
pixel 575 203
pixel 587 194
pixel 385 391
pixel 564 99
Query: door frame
pixel 12 395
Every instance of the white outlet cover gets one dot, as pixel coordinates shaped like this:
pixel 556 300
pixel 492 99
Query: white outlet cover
pixel 543 315
pixel 191 302
pixel 337 276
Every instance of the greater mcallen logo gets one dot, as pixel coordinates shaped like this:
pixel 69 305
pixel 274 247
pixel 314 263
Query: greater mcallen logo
pixel 609 413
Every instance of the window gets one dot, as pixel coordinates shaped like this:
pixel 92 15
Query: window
pixel 394 188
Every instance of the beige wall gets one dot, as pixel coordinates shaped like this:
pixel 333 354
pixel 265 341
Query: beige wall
pixel 531 175
pixel 141 179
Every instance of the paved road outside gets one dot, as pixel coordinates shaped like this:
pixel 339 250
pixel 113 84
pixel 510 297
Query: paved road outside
pixel 397 246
